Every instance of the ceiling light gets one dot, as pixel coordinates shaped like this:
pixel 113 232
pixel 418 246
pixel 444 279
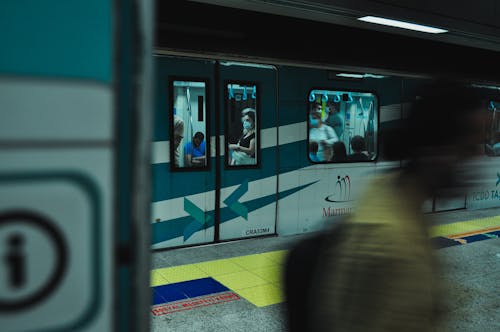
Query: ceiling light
pixel 401 24
pixel 351 75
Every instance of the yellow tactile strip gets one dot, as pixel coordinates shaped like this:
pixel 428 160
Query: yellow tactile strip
pixel 258 278
pixel 464 227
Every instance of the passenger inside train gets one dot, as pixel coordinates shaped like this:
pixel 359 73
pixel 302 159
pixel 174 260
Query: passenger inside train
pixel 321 133
pixel 241 125
pixel 339 152
pixel 358 149
pixel 194 151
pixel 178 136
pixel 189 105
pixel 349 117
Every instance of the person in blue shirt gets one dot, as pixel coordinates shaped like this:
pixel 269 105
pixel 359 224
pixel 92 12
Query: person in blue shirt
pixel 194 151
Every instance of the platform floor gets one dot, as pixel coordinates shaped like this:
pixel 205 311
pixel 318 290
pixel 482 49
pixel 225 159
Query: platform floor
pixel 236 286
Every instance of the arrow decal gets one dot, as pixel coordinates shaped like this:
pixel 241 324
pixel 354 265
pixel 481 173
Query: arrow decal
pixel 163 231
pixel 201 219
pixel 232 200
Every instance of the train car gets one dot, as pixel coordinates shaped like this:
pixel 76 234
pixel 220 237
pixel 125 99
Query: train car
pixel 258 169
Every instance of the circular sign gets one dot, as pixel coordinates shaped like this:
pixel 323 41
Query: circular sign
pixel 33 223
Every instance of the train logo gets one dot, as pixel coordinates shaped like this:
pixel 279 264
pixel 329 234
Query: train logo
pixel 342 190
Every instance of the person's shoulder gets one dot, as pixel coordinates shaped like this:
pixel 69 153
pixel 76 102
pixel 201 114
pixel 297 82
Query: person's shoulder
pixel 327 127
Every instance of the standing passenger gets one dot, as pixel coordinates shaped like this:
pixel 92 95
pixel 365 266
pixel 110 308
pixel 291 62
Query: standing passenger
pixel 322 134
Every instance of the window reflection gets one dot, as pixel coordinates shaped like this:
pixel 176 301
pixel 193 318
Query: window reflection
pixel 492 146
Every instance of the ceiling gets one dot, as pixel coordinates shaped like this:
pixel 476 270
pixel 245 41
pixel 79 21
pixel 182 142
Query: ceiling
pixel 284 32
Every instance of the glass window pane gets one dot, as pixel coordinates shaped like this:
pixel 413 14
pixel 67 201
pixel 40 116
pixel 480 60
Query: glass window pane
pixel 342 126
pixel 189 134
pixel 492 145
pixel 242 133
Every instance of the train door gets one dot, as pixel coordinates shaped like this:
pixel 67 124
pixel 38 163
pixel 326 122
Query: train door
pixel 248 168
pixel 202 192
pixel 183 202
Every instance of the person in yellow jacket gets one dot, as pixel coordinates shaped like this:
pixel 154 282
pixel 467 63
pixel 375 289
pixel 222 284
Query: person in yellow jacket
pixel 376 271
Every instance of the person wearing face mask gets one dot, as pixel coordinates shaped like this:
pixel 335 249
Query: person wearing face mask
pixel 243 153
pixel 321 133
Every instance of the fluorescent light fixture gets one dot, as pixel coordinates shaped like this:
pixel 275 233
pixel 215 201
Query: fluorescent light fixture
pixel 401 24
pixel 492 87
pixel 351 75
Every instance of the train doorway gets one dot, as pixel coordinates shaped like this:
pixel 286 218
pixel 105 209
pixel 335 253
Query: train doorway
pixel 248 168
pixel 215 151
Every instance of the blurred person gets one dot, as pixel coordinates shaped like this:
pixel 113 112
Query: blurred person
pixel 243 153
pixel 375 271
pixel 194 151
pixel 358 147
pixel 335 119
pixel 178 136
pixel 322 134
pixel 339 152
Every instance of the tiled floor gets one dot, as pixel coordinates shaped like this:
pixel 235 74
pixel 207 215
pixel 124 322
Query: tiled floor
pixel 257 277
pixel 249 274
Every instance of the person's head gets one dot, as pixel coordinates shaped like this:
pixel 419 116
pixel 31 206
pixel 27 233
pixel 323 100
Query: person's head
pixel 339 149
pixel 357 144
pixel 248 118
pixel 178 131
pixel 198 138
pixel 444 128
pixel 332 108
pixel 315 118
pixel 316 107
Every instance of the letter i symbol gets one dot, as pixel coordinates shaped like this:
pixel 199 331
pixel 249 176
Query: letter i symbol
pixel 15 261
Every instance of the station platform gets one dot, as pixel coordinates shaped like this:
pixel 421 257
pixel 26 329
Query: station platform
pixel 237 285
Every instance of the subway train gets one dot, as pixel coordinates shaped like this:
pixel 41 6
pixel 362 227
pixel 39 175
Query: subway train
pixel 258 170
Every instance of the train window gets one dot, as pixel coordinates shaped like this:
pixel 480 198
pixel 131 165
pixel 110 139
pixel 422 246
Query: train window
pixel 189 124
pixel 242 123
pixel 492 144
pixel 342 126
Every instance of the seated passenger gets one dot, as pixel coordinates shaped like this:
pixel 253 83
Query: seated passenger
pixel 322 134
pixel 339 152
pixel 358 145
pixel 243 153
pixel 194 152
pixel 313 152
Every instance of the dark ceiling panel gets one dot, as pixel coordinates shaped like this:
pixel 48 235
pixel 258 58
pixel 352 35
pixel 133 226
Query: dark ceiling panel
pixel 191 26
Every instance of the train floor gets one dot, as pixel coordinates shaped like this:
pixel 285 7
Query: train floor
pixel 237 286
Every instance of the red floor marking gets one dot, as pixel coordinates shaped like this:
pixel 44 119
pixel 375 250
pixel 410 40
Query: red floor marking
pixel 196 302
pixel 476 232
